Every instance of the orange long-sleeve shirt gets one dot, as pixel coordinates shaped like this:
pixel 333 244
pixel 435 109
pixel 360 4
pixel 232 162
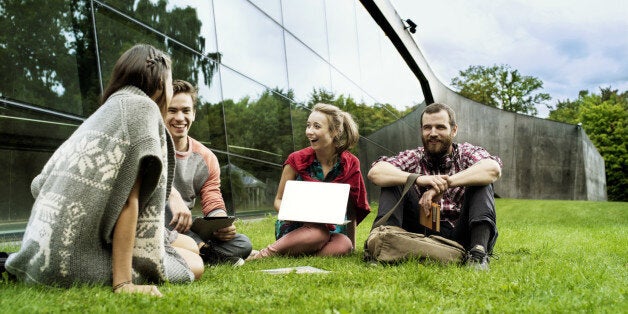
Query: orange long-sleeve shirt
pixel 197 175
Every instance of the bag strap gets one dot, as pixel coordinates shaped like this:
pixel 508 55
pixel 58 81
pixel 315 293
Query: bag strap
pixel 409 183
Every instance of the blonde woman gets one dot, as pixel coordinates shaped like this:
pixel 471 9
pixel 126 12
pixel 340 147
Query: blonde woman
pixel 331 133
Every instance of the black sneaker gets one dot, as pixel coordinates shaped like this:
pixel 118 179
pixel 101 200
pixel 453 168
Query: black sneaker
pixel 213 257
pixel 3 260
pixel 477 258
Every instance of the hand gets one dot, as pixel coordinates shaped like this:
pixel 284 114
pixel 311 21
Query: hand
pixel 181 215
pixel 226 233
pixel 440 183
pixel 143 289
pixel 425 203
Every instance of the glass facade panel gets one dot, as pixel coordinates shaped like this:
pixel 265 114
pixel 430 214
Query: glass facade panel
pixel 342 86
pixel 371 58
pixel 117 33
pixel 251 43
pixel 252 184
pixel 299 122
pixel 270 7
pixel 306 70
pixel 209 123
pixel 257 119
pixel 190 22
pixel 52 67
pixel 259 66
pixel 20 167
pixel 306 20
pixel 402 87
pixel 343 39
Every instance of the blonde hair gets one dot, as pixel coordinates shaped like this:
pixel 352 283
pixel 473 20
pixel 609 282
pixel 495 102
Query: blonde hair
pixel 341 125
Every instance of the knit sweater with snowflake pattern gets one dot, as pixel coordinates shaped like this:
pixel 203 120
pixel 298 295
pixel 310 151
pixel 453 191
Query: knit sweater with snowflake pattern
pixel 82 189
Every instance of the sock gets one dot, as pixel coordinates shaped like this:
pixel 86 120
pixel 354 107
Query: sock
pixel 480 232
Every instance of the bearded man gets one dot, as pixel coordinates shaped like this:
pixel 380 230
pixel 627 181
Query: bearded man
pixel 457 176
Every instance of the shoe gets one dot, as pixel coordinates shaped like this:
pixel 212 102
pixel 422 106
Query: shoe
pixel 214 257
pixel 252 255
pixel 477 258
pixel 3 260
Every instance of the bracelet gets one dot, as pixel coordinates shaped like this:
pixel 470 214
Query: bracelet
pixel 120 285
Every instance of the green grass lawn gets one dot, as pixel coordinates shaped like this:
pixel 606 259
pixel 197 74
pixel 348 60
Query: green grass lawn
pixel 553 256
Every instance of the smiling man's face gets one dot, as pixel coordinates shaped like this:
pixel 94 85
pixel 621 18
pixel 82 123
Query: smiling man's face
pixel 437 134
pixel 179 118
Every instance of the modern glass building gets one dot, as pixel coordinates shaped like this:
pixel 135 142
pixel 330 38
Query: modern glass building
pixel 259 66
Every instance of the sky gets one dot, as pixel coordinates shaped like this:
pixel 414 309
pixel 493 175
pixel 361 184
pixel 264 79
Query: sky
pixel 570 45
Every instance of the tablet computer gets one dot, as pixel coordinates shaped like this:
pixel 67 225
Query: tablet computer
pixel 206 226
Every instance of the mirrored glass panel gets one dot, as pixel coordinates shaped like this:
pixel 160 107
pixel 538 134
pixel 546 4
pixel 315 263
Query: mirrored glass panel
pixel 257 119
pixel 342 86
pixel 117 33
pixel 250 185
pixel 48 58
pixel 371 65
pixel 306 20
pixel 300 113
pixel 21 167
pixel 343 40
pixel 250 43
pixel 306 70
pixel 209 123
pixel 270 7
pixel 190 22
pixel 400 87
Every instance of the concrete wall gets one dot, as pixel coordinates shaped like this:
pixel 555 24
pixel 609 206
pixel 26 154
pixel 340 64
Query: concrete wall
pixel 542 159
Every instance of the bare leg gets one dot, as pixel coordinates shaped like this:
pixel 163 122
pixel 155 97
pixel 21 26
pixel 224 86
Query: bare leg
pixel 338 245
pixel 308 239
pixel 187 248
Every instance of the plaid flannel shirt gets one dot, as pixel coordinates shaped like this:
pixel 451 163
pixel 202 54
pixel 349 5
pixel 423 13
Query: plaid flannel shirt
pixel 463 156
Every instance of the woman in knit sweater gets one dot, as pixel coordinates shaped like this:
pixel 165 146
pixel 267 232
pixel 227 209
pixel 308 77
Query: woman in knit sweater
pixel 331 133
pixel 99 200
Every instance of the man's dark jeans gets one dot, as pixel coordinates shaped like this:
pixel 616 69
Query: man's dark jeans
pixel 239 246
pixel 478 206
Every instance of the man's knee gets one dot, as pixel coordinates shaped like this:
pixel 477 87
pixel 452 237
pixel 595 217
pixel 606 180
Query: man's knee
pixel 240 245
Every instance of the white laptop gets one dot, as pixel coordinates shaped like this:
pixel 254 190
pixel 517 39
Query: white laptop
pixel 320 202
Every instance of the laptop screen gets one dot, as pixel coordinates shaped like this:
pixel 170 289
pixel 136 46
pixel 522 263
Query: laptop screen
pixel 319 202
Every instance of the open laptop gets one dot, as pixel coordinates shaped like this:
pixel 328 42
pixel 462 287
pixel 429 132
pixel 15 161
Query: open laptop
pixel 320 202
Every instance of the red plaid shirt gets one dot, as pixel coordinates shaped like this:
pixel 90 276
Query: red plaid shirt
pixel 463 156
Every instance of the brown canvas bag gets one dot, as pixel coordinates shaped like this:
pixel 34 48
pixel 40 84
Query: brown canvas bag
pixel 391 244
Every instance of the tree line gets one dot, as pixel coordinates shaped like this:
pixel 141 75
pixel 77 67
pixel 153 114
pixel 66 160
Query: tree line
pixel 603 115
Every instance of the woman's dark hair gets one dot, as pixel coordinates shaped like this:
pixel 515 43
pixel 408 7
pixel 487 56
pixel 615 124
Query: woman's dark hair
pixel 142 66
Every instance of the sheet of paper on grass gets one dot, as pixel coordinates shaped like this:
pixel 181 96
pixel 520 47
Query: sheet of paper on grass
pixel 297 270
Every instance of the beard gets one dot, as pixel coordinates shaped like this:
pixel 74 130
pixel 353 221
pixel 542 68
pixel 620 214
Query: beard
pixel 436 147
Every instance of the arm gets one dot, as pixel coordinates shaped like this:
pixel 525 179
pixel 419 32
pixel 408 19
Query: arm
pixel 209 194
pixel 385 174
pixel 122 246
pixel 181 214
pixel 288 173
pixel 483 172
pixel 211 198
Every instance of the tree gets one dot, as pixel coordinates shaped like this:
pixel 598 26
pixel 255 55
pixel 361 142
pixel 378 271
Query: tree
pixel 502 87
pixel 604 118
